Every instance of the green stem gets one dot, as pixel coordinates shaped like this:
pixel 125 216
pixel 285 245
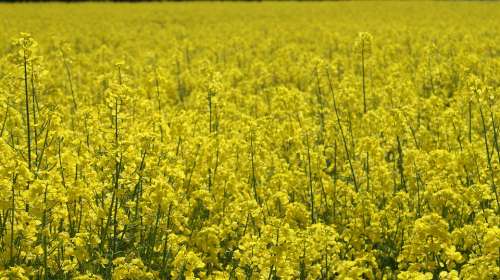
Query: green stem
pixel 344 141
pixel 28 127
pixel 311 193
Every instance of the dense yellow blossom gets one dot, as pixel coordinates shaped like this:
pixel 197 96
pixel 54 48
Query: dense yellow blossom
pixel 250 141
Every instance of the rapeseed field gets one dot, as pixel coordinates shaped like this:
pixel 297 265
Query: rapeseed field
pixel 350 140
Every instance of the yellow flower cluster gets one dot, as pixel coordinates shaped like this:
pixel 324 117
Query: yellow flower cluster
pixel 243 141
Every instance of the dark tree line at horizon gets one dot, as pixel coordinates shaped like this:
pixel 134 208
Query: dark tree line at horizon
pixel 71 1
pixel 75 1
